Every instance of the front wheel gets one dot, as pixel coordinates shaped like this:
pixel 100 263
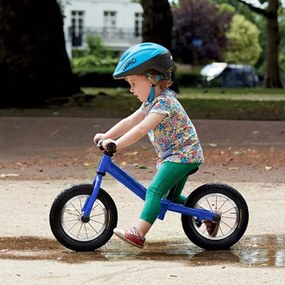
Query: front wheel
pixel 75 232
pixel 229 204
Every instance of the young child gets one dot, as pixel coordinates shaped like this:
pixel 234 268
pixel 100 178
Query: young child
pixel 147 68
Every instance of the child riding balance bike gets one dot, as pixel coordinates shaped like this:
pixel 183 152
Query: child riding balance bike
pixel 214 216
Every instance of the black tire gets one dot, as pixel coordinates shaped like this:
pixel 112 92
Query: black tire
pixel 226 201
pixel 66 223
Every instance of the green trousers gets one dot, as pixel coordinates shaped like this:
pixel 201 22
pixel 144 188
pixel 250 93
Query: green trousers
pixel 169 175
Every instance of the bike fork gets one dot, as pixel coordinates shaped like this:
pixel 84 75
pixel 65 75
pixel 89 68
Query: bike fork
pixel 87 207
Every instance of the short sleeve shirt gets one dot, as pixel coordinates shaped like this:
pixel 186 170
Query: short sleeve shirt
pixel 175 138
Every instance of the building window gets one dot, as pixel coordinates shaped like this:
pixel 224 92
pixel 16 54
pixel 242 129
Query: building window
pixel 77 22
pixel 138 24
pixel 110 23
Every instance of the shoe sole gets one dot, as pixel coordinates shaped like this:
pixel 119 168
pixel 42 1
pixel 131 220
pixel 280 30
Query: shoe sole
pixel 121 236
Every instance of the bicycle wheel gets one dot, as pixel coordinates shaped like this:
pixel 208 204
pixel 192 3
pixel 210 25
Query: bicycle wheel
pixel 71 230
pixel 224 200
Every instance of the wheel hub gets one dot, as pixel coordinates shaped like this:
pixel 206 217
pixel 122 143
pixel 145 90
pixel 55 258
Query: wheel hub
pixel 85 219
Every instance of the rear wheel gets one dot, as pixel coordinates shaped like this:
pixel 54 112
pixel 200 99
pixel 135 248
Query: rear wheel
pixel 229 204
pixel 71 229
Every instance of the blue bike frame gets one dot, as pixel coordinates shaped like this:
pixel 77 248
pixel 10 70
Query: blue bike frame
pixel 106 165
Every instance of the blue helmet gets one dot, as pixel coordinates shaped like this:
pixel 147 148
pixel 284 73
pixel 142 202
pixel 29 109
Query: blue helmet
pixel 144 57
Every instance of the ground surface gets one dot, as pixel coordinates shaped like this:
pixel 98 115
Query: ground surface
pixel 41 156
pixel 62 148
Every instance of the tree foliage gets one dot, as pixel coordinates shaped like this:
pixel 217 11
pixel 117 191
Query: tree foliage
pixel 94 57
pixel 34 65
pixel 199 32
pixel 243 42
pixel 270 12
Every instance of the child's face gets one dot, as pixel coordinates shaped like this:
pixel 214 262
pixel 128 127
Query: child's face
pixel 140 86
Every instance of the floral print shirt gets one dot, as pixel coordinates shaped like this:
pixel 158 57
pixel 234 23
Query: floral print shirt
pixel 174 139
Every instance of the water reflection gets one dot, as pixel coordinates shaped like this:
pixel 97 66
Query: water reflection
pixel 267 250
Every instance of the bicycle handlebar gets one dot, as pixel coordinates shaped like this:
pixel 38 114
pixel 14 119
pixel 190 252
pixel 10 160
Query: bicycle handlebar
pixel 111 147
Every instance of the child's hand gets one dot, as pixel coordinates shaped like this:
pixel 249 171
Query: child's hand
pixel 98 137
pixel 106 142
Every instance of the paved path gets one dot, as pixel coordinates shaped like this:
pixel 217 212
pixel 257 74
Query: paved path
pixel 28 136
pixel 30 255
pixel 35 148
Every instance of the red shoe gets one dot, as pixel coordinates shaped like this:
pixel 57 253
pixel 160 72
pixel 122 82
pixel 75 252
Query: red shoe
pixel 130 236
pixel 212 228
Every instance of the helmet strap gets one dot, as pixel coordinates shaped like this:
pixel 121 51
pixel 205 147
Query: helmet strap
pixel 151 94
pixel 159 77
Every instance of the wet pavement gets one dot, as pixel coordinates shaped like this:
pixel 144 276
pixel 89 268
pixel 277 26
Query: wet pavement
pixel 255 251
pixel 29 254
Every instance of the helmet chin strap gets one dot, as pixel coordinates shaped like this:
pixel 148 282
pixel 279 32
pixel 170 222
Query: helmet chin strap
pixel 151 94
pixel 152 91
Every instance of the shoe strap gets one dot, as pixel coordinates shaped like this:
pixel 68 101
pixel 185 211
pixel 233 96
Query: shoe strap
pixel 134 232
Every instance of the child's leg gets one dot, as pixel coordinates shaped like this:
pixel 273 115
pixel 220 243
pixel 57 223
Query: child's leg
pixel 168 175
pixel 178 188
pixel 177 197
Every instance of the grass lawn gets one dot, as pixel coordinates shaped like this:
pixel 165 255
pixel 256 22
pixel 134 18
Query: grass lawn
pixel 200 103
pixel 205 93
pixel 203 103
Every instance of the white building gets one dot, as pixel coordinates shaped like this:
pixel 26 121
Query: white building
pixel 118 22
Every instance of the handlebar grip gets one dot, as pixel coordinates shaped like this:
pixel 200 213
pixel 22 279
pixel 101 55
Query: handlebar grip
pixel 99 144
pixel 111 147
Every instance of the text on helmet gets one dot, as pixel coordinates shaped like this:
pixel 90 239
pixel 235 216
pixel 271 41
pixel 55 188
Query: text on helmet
pixel 129 63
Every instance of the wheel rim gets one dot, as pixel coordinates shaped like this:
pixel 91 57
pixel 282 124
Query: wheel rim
pixel 74 227
pixel 226 208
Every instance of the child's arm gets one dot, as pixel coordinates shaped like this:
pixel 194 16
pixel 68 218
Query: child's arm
pixel 138 131
pixel 121 127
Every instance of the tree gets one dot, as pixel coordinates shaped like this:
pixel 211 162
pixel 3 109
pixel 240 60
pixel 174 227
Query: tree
pixel 157 22
pixel 282 43
pixel 243 42
pixel 270 12
pixel 157 25
pixel 199 33
pixel 34 65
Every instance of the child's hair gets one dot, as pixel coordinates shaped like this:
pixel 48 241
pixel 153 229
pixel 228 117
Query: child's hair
pixel 162 80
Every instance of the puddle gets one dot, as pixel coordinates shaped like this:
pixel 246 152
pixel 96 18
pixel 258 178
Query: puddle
pixel 266 251
pixel 257 251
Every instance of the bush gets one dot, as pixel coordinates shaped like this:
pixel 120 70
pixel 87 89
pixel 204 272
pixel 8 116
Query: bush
pixel 102 77
pixel 188 79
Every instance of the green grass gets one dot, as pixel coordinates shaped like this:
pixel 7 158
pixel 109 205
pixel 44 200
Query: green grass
pixel 203 103
pixel 200 103
pixel 207 93
pixel 234 93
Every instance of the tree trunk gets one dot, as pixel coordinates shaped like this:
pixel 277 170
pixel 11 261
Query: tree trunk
pixel 34 65
pixel 272 76
pixel 157 22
